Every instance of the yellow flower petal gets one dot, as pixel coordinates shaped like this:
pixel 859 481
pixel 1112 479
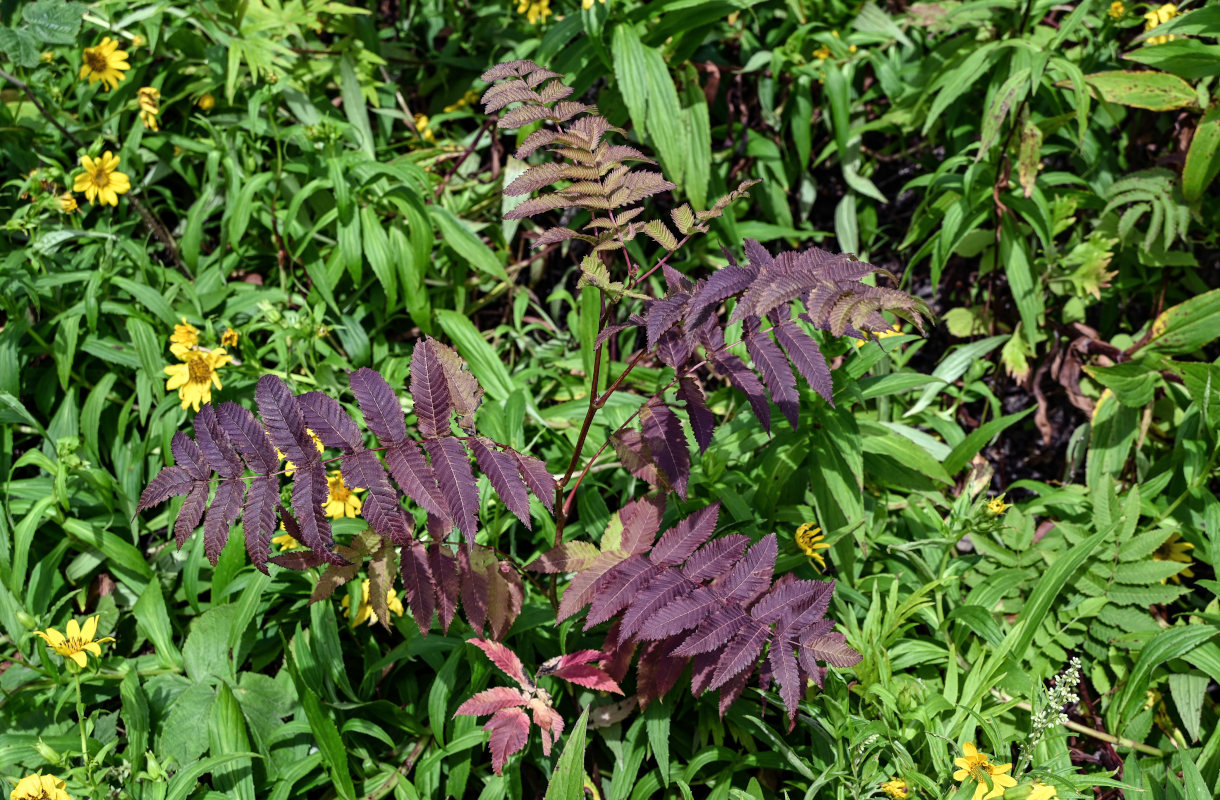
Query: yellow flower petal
pixel 79 658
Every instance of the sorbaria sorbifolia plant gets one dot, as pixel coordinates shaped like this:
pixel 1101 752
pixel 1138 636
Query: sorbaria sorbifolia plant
pixel 686 597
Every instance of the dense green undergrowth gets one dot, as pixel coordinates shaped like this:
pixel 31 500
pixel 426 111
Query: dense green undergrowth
pixel 1007 463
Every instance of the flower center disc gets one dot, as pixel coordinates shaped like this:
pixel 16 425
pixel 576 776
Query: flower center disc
pixel 198 370
pixel 96 61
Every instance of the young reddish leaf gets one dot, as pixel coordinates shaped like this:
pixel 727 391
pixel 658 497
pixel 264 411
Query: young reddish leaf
pixel 661 315
pixel 666 441
pixel 745 381
pixel 567 557
pixel 170 482
pixel 418 585
pixel 637 459
pixel 489 701
pixel 430 391
pixel 379 405
pixel 549 666
pixel 472 565
pixel 641 520
pixel 258 519
pixel 456 479
pixel 537 477
pixel 675 348
pixel 382 565
pixel 326 418
pixel 716 557
pixel 723 284
pixel 680 541
pixel 789 601
pixel 190 513
pixel 247 435
pixel 186 455
pixel 683 614
pixel 807 357
pixel 215 445
pixel 770 362
pixel 831 648
pixel 752 574
pixel 618 587
pixel 282 417
pixel 549 722
pixel 657 671
pixel 741 652
pixel 416 477
pixel 362 468
pixel 448 582
pixel 464 391
pixel 702 422
pixel 506 592
pixel 509 729
pixel 733 688
pixel 783 666
pixel 588 676
pixel 221 515
pixel 714 632
pixel 501 469
pixel 651 599
pixel 580 590
pixel 309 493
pixel 505 659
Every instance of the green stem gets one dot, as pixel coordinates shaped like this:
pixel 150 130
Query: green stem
pixel 80 716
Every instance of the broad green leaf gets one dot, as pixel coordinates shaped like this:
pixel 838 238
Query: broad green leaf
pixel 1010 94
pixel 377 251
pixel 1203 157
pixel 54 21
pixel 1188 326
pixel 1172 643
pixel 353 104
pixel 1188 690
pixel 466 244
pixel 1189 59
pixel 568 780
pixel 227 735
pixel 1154 91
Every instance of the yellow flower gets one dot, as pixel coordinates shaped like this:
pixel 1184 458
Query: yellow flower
pixel 137 41
pixel 1157 17
pixel 1117 9
pixel 810 539
pixel 1041 791
pixel 78 641
pixel 150 106
pixel 285 541
pixel 896 788
pixel 47 57
pixel 822 53
pixel 1175 550
pixel 534 10
pixel 977 766
pixel 997 506
pixel 101 181
pixel 896 330
pixel 229 338
pixel 104 63
pixel 67 203
pixel 40 787
pixel 206 102
pixel 342 501
pixel 195 376
pixel 587 4
pixel 185 334
pixel 365 611
pixel 465 100
pixel 421 125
